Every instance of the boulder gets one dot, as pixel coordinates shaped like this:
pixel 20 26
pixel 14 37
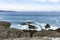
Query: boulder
pixel 30 31
pixel 15 33
pixel 4 24
pixel 26 23
pixel 32 27
pixel 47 26
pixel 23 23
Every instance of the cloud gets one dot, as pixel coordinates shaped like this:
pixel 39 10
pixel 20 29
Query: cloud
pixel 29 6
pixel 42 0
pixel 54 1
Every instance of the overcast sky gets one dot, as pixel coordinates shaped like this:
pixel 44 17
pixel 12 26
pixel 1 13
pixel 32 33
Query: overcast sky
pixel 30 5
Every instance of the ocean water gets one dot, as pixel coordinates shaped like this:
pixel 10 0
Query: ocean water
pixel 16 18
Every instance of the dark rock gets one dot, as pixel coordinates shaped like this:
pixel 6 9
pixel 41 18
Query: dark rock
pixel 4 24
pixel 23 23
pixel 47 26
pixel 57 30
pixel 32 32
pixel 32 27
pixel 26 30
pixel 29 22
pixel 50 30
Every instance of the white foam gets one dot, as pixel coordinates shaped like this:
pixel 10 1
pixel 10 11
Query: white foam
pixel 38 25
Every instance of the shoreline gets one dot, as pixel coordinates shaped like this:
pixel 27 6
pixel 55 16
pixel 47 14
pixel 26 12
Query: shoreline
pixel 6 32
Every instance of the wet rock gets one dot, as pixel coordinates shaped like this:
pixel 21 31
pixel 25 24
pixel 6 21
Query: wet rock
pixel 4 24
pixel 47 26
pixel 32 27
pixel 29 22
pixel 23 23
pixel 26 23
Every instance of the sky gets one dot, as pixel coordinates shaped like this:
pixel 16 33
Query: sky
pixel 30 5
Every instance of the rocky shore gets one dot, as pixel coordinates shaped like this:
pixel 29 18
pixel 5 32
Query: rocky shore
pixel 8 33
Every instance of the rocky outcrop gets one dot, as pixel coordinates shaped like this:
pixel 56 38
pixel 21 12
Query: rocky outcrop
pixel 7 32
pixel 30 31
pixel 54 35
pixel 26 34
pixel 4 24
pixel 15 33
pixel 4 33
pixel 58 30
pixel 45 33
pixel 10 33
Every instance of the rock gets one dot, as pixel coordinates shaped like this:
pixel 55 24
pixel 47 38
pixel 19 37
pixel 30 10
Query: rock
pixel 54 35
pixel 57 30
pixel 43 33
pixel 29 22
pixel 10 33
pixel 50 30
pixel 47 26
pixel 26 23
pixel 32 27
pixel 3 33
pixel 30 31
pixel 23 23
pixel 15 33
pixel 26 34
pixel 4 24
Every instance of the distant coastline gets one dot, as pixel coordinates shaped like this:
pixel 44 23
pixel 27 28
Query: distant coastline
pixel 6 11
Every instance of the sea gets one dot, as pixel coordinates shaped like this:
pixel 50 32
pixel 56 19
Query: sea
pixel 40 18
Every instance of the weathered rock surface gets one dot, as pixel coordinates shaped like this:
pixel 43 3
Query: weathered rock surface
pixel 26 34
pixel 58 30
pixel 4 24
pixel 15 33
pixel 7 32
pixel 30 31
pixel 3 33
pixel 46 33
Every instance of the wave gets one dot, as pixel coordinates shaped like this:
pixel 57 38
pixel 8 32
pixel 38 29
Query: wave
pixel 38 25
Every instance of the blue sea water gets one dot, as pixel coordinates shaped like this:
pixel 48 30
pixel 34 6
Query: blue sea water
pixel 16 18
